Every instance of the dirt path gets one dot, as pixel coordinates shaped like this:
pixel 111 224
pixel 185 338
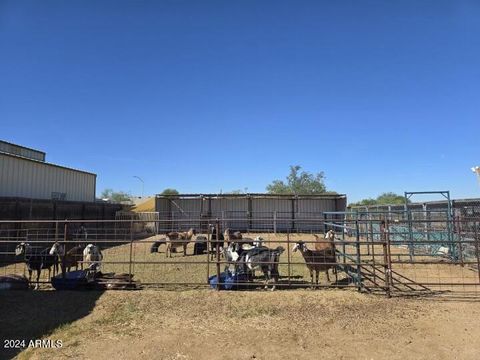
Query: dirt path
pixel 204 324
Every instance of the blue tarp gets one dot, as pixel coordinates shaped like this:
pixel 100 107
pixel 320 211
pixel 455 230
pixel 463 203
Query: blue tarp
pixel 229 281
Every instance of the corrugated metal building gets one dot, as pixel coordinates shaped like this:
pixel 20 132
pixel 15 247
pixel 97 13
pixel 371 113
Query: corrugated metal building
pixel 23 151
pixel 249 211
pixel 24 173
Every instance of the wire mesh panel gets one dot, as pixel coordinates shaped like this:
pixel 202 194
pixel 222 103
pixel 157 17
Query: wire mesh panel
pixel 372 252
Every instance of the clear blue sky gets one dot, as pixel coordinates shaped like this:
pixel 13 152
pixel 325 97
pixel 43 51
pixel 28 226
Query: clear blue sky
pixel 209 95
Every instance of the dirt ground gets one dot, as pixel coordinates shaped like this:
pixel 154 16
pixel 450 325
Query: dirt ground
pixel 205 324
pixel 197 323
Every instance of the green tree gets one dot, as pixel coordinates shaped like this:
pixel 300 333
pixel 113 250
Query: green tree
pixel 388 198
pixel 299 183
pixel 115 196
pixel 169 191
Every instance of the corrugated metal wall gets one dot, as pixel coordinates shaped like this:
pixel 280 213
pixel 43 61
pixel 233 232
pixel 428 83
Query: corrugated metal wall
pixel 21 151
pixel 250 212
pixel 20 177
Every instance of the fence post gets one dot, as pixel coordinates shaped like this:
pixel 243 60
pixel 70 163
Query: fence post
pixel 458 235
pixel 324 223
pixel 410 233
pixel 208 252
pixel 56 231
pixel 359 270
pixel 288 256
pixel 223 220
pixel 476 250
pixel 386 263
pixel 370 232
pixel 389 253
pixel 275 222
pixel 65 231
pixel 65 226
pixel 131 248
pixel 217 249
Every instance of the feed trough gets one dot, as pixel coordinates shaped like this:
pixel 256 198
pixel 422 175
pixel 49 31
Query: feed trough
pixel 73 280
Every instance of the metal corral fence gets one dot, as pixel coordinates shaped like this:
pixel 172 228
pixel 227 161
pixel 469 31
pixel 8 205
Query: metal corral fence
pixel 395 256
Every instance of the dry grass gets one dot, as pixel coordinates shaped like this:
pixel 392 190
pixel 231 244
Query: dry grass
pixel 204 324
pixel 148 205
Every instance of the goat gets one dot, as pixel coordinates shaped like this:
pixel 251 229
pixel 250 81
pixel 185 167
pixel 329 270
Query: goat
pixel 230 235
pixel 37 261
pixel 156 245
pixel 325 245
pixel 248 244
pixel 200 245
pixel 177 239
pixel 317 260
pixel 213 243
pixel 258 241
pixel 67 259
pixel 92 257
pixel 247 261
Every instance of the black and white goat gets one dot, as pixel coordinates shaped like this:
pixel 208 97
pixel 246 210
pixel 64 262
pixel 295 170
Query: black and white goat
pixel 247 261
pixel 156 245
pixel 37 260
pixel 258 242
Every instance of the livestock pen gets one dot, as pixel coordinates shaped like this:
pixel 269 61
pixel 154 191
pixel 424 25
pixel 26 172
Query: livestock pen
pixel 374 254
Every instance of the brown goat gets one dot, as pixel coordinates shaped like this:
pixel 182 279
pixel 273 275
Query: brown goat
pixel 176 239
pixel 68 259
pixel 231 236
pixel 318 260
pixel 327 243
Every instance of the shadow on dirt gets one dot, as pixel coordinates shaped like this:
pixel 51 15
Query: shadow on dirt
pixel 30 315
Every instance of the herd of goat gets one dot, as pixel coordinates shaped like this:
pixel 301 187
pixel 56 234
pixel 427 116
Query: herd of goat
pixel 58 256
pixel 245 254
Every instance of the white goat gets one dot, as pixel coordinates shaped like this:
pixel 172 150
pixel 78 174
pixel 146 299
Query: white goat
pixel 92 256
